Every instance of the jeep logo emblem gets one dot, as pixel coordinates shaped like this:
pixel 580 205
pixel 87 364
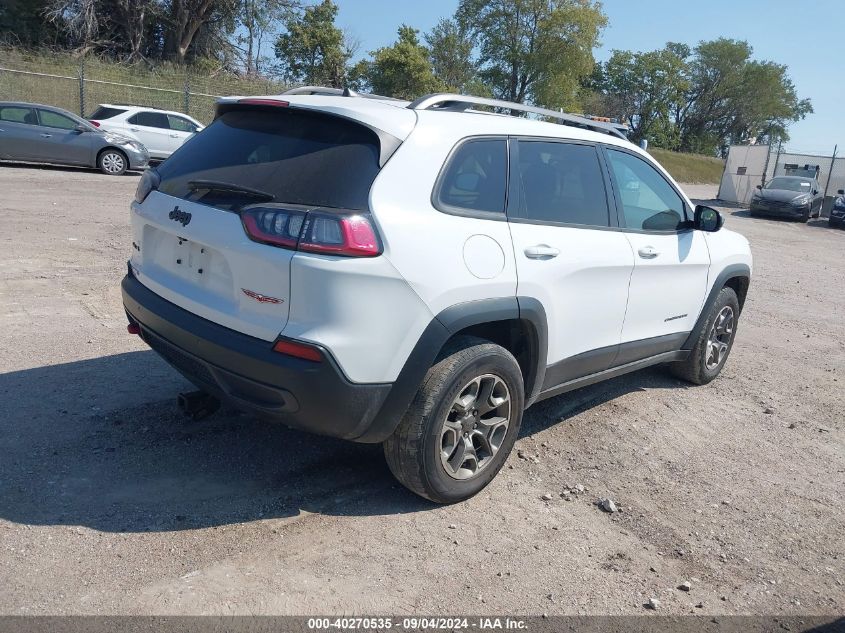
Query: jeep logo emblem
pixel 180 216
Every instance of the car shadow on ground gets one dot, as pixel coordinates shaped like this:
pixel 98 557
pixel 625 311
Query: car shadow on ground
pixel 67 168
pixel 100 443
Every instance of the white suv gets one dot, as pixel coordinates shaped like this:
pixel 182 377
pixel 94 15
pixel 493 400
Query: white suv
pixel 162 132
pixel 419 273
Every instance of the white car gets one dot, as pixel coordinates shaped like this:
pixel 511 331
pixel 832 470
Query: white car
pixel 419 273
pixel 162 132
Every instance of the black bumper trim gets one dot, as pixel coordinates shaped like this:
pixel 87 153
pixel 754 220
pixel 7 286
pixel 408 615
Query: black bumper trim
pixel 244 370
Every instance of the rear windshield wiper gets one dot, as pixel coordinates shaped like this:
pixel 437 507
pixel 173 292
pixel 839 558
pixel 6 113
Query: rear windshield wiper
pixel 227 187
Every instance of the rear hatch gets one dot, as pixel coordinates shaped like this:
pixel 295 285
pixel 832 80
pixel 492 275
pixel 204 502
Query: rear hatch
pixel 217 233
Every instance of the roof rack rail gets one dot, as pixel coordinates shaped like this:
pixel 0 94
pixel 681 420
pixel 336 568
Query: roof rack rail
pixel 461 103
pixel 336 92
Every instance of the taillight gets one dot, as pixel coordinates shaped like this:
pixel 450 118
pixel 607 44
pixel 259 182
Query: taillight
pixel 347 234
pixel 149 182
pixel 351 235
pixel 94 123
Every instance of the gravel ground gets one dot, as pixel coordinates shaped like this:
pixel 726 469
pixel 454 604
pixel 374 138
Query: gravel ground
pixel 111 502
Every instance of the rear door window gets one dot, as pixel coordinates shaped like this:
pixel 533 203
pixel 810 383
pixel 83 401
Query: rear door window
pixel 286 156
pixel 561 183
pixel 150 119
pixel 475 178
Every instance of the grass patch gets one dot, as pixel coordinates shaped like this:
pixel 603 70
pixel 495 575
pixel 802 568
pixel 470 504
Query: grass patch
pixel 690 168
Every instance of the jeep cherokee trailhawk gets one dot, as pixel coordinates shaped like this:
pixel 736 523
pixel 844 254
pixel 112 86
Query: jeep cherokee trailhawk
pixel 419 273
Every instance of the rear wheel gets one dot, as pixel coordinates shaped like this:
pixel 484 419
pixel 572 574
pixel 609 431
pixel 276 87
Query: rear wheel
pixel 112 162
pixel 462 424
pixel 714 341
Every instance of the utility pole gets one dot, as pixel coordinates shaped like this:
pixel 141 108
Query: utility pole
pixel 829 174
pixel 766 166
pixel 777 158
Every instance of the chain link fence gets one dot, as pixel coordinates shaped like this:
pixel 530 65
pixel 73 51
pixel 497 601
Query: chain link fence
pixel 79 85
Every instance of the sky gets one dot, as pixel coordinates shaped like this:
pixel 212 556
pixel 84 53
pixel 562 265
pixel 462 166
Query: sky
pixel 807 36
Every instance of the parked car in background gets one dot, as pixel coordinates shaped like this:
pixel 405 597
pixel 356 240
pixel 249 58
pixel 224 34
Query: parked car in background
pixel 796 197
pixel 38 133
pixel 162 132
pixel 837 211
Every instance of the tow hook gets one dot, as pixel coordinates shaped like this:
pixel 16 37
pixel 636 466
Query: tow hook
pixel 197 404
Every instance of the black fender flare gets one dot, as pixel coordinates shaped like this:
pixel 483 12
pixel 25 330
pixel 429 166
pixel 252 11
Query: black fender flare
pixel 445 325
pixel 730 271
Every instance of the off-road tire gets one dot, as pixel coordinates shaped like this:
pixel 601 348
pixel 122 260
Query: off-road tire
pixel 694 369
pixel 413 452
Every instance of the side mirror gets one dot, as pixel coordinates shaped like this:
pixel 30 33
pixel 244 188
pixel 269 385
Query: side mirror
pixel 841 192
pixel 707 219
pixel 815 192
pixel 760 187
pixel 80 128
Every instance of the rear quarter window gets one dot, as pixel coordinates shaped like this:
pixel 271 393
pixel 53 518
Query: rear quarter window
pixel 295 156
pixel 474 179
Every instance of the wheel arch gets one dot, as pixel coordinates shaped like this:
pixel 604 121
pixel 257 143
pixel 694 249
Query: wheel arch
pixel 734 276
pixel 516 323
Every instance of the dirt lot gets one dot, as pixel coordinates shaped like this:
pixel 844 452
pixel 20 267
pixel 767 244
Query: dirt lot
pixel 110 502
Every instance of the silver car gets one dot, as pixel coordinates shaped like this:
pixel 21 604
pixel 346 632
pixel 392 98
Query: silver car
pixel 38 133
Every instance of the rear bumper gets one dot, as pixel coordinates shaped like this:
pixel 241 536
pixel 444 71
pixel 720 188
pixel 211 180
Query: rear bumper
pixel 244 371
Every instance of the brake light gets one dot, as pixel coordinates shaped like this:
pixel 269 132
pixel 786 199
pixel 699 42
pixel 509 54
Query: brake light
pixel 265 102
pixel 149 182
pixel 94 123
pixel 298 350
pixel 347 234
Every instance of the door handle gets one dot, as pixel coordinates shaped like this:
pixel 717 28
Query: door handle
pixel 174 136
pixel 134 129
pixel 46 135
pixel 648 252
pixel 541 251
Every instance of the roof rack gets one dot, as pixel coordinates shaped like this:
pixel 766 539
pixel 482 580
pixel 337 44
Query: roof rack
pixel 461 103
pixel 336 92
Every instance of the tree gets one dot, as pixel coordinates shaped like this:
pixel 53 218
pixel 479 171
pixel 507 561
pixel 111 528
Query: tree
pixel 402 70
pixel 534 50
pixel 732 98
pixel 648 89
pixel 257 19
pixel 184 20
pixel 22 23
pixel 313 50
pixel 450 51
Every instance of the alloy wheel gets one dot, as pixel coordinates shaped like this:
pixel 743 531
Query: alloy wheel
pixel 475 427
pixel 719 340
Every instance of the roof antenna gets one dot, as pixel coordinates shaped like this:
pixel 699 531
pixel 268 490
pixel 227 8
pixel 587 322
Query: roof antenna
pixel 347 92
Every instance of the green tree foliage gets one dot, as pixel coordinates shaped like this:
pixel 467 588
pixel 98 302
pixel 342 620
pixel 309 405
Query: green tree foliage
pixel 402 70
pixel 698 100
pixel 450 51
pixel 733 98
pixel 647 89
pixel 534 50
pixel 22 23
pixel 312 50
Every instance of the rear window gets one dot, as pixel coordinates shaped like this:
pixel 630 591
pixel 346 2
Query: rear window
pixel 102 113
pixel 289 156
